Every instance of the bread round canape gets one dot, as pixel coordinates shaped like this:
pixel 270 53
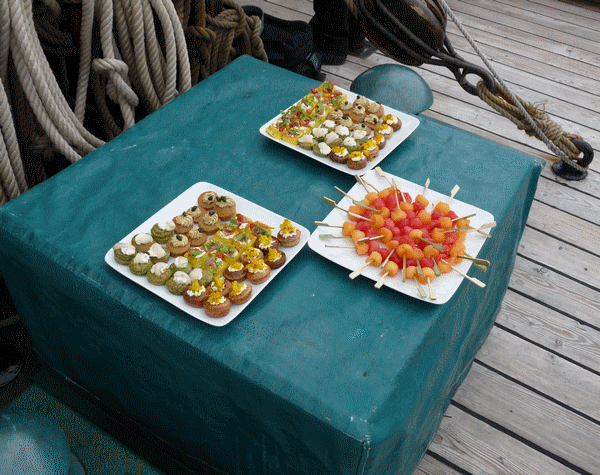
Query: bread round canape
pixel 346 121
pixel 361 101
pixel 178 282
pixel 162 232
pixel 220 284
pixel 357 160
pixel 140 264
pixel 380 140
pixel 196 212
pixel 235 271
pixel 183 223
pixel 372 121
pixel 124 252
pixel 142 242
pixel 196 237
pixel 258 271
pixel 385 130
pixel 350 144
pixel 375 108
pixel 394 122
pixel 357 114
pixel 370 149
pixel 275 258
pixel 207 199
pixel 322 150
pixel 209 222
pixel 251 254
pixel 182 264
pixel 266 242
pixel 288 235
pixel 203 276
pixel 195 294
pixel 158 253
pixel 159 273
pixel 178 245
pixel 307 141
pixel 225 207
pixel 240 292
pixel 339 154
pixel 216 305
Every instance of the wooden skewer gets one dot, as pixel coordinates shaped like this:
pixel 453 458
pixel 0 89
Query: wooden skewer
pixel 380 282
pixel 327 237
pixel 432 293
pixel 475 260
pixel 329 201
pixel 360 180
pixel 420 288
pixel 382 174
pixel 371 185
pixel 321 223
pixel 365 239
pixel 399 188
pixel 356 202
pixel 392 184
pixel 340 247
pixel 358 271
pixel 472 279
pixel 426 187
pixel 464 217
pixel 453 193
pixel 488 225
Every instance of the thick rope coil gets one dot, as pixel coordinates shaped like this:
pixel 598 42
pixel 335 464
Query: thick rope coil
pixel 500 102
pixel 213 37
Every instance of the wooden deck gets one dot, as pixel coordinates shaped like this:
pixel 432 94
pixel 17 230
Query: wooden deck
pixel 531 403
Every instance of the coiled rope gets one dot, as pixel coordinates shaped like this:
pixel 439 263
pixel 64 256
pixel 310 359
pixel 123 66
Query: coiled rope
pixel 140 61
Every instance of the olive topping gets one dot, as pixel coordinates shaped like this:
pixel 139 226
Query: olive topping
pixel 179 237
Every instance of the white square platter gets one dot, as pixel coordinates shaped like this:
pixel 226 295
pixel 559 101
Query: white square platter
pixel 409 124
pixel 183 202
pixel 445 285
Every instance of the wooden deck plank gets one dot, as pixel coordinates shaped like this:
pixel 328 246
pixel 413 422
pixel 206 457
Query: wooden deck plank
pixel 543 370
pixel 431 466
pixel 545 326
pixel 480 448
pixel 558 291
pixel 530 416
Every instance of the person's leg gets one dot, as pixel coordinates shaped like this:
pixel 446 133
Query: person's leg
pixel 330 30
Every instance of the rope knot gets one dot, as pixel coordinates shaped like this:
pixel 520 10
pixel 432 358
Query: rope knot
pixel 117 73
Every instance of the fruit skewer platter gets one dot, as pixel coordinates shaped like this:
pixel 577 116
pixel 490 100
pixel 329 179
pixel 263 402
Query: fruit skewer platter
pixel 340 129
pixel 405 236
pixel 208 252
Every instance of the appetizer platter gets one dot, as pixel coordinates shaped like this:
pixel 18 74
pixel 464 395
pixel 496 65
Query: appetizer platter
pixel 405 236
pixel 340 129
pixel 208 252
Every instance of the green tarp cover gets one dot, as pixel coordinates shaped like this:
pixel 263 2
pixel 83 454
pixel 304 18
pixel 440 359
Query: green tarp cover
pixel 320 373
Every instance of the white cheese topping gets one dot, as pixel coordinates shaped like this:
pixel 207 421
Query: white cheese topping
pixel 182 278
pixel 141 258
pixel 159 268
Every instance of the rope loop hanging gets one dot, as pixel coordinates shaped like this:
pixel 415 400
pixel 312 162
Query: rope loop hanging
pixel 501 103
pixel 213 39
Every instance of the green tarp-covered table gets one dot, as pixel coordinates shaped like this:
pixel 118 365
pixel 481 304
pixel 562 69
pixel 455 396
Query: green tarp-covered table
pixel 320 374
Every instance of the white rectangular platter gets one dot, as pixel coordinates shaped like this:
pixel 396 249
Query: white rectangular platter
pixel 409 124
pixel 183 202
pixel 445 285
